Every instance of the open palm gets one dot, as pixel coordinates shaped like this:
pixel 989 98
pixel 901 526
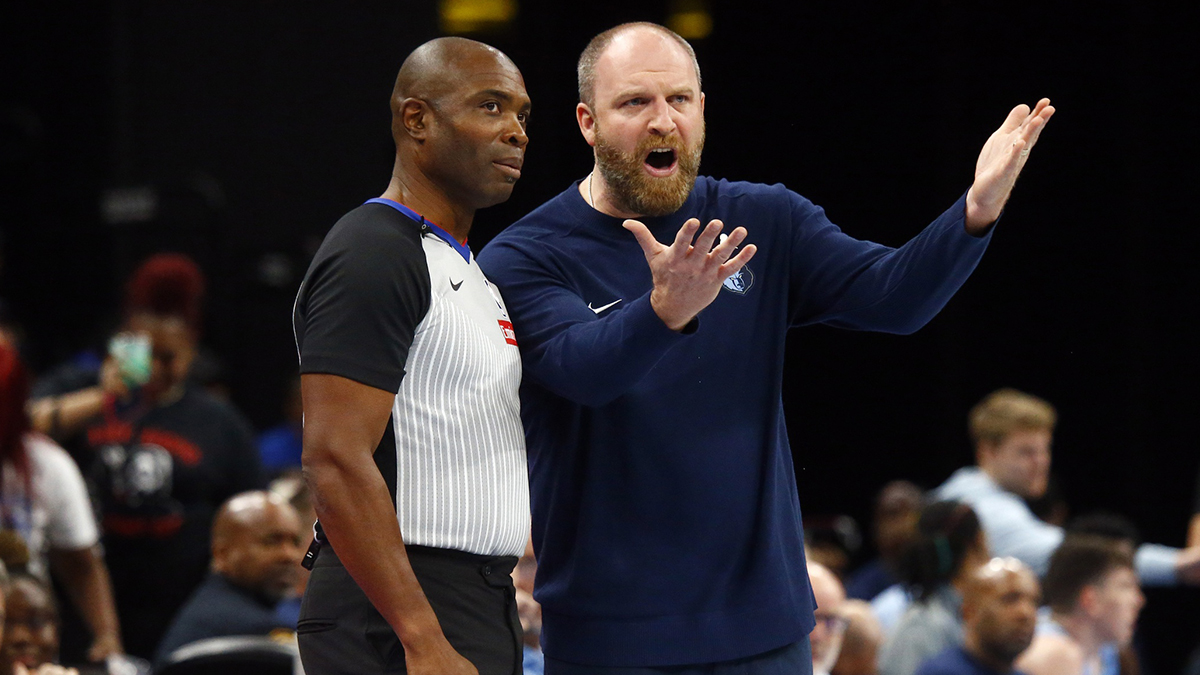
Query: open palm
pixel 1001 161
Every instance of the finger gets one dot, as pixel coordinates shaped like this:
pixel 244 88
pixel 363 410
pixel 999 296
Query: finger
pixel 1015 117
pixel 649 244
pixel 1038 124
pixel 738 261
pixel 705 243
pixel 729 245
pixel 683 238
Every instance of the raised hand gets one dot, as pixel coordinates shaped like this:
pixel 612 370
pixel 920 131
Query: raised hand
pixel 687 278
pixel 1001 161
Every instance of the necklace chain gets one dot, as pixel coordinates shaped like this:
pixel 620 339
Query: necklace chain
pixel 591 199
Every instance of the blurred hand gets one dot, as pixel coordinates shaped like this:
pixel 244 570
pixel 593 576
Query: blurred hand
pixel 111 381
pixel 103 647
pixel 1187 568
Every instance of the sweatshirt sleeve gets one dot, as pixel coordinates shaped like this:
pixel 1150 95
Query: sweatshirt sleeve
pixel 1012 529
pixel 848 283
pixel 585 355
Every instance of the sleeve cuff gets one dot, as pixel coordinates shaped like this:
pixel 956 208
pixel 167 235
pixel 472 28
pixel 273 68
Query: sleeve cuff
pixel 1155 564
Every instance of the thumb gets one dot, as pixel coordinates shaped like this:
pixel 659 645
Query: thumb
pixel 649 244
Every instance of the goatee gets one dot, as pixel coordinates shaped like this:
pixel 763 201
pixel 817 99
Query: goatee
pixel 635 191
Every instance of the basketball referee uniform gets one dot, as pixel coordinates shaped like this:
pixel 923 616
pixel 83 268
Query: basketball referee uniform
pixel 394 302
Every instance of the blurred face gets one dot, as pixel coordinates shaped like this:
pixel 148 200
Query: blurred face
pixel 172 349
pixel 262 552
pixel 646 122
pixel 1118 600
pixel 896 517
pixel 1006 615
pixel 476 145
pixel 1020 463
pixel 30 628
pixel 826 636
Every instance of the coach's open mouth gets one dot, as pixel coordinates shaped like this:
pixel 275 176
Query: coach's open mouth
pixel 661 162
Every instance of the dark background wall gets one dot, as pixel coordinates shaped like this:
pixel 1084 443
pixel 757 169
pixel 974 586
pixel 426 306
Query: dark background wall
pixel 255 125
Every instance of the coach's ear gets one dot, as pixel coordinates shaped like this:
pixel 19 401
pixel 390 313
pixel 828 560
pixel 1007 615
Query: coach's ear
pixel 587 123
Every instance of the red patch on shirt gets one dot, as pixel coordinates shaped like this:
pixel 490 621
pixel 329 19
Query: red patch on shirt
pixel 506 327
pixel 121 432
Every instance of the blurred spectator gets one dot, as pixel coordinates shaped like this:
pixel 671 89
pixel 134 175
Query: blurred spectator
pixel 1012 432
pixel 1122 532
pixel 1112 526
pixel 1051 507
pixel 30 634
pixel 256 554
pixel 164 453
pixel 940 562
pixel 999 616
pixel 826 637
pixel 1194 529
pixel 72 395
pixel 10 330
pixel 280 445
pixel 529 611
pixel 1094 600
pixel 832 541
pixel 861 642
pixel 897 508
pixel 532 660
pixel 292 487
pixel 44 502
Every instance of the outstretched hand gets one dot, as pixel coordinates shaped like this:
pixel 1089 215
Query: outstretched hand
pixel 688 277
pixel 1001 161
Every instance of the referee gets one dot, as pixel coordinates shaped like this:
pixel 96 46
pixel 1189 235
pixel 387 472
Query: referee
pixel 412 435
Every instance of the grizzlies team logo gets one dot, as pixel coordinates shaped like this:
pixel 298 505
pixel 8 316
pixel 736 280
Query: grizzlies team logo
pixel 740 281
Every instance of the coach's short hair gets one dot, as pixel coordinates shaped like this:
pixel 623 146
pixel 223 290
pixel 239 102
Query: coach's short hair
pixel 591 54
pixel 1004 411
pixel 1080 561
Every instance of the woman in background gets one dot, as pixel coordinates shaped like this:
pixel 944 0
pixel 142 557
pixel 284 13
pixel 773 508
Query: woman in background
pixel 45 512
pixel 948 548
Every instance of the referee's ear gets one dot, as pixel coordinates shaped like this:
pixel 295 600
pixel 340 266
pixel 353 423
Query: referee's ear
pixel 414 117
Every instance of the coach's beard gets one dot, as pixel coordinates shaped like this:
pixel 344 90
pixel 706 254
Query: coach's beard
pixel 635 191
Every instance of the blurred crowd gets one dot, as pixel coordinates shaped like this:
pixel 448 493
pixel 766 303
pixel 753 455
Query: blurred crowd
pixel 142 517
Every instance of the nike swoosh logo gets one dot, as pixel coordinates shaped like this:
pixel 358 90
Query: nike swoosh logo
pixel 601 309
pixel 454 285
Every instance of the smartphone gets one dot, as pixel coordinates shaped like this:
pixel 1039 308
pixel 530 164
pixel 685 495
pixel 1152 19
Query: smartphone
pixel 132 352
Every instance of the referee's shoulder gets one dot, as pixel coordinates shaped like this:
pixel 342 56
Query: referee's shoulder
pixel 370 228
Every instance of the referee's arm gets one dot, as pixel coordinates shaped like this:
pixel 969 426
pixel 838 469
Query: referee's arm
pixel 343 423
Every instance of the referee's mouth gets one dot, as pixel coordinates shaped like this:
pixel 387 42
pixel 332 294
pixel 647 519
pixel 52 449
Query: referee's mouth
pixel 510 166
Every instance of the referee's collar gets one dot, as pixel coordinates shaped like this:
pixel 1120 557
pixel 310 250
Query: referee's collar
pixel 461 247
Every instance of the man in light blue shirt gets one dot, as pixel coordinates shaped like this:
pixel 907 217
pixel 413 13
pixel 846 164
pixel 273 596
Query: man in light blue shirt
pixel 1012 432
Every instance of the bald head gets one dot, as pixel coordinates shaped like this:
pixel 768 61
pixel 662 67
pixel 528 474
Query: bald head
pixel 256 543
pixel 459 118
pixel 439 67
pixel 1000 611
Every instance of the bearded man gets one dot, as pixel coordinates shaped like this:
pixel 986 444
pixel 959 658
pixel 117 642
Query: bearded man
pixel 666 517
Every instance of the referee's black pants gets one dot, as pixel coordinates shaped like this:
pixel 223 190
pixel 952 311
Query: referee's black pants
pixel 340 631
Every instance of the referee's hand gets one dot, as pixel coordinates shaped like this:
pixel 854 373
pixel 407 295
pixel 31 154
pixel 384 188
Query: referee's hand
pixel 439 660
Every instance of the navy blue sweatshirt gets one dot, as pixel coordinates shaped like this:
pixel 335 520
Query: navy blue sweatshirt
pixel 665 512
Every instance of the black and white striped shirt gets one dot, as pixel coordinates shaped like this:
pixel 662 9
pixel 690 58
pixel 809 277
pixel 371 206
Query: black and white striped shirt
pixel 394 302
